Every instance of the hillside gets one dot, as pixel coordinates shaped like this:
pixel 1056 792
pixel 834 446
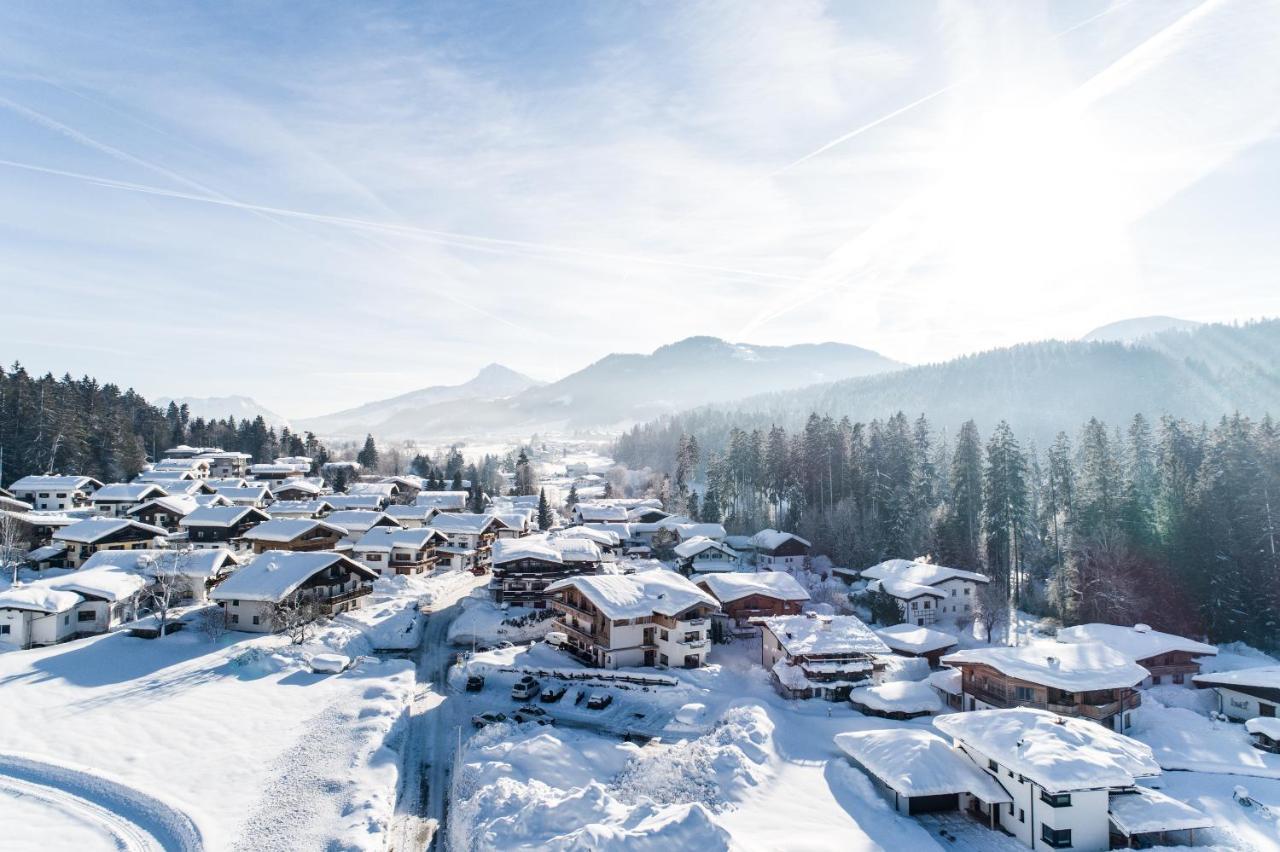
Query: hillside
pixel 221 407
pixel 1132 330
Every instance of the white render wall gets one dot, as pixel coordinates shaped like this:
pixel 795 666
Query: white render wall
pixel 1241 707
pixel 629 640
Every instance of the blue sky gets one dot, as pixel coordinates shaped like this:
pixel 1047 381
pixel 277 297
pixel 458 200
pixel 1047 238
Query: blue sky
pixel 321 204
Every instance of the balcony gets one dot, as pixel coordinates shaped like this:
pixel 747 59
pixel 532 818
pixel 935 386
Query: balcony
pixel 573 630
pixel 695 643
pixel 327 605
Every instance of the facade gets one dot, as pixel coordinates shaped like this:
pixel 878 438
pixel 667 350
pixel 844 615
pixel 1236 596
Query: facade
pixel 87 537
pixel 165 512
pixel 926 592
pixel 223 463
pixel 201 569
pixel 701 555
pixel 1085 680
pixel 649 618
pixel 55 493
pixel 763 594
pixel 820 656
pixel 525 568
pixel 299 535
pixel 117 499
pixel 253 596
pixel 779 551
pixel 392 551
pixel 1244 694
pixel 36 615
pixel 470 535
pixel 1169 658
pixel 221 526
pixel 296 489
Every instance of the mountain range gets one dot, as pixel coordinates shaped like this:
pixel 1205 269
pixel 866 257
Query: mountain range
pixel 1138 328
pixel 221 407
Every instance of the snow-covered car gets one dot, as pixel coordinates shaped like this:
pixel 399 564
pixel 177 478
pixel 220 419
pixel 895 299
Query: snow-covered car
pixel 489 718
pixel 475 683
pixel 529 713
pixel 556 638
pixel 552 693
pixel 504 644
pixel 599 701
pixel 329 663
pixel 527 687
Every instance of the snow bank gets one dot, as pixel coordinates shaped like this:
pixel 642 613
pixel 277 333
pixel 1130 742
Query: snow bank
pixel 910 697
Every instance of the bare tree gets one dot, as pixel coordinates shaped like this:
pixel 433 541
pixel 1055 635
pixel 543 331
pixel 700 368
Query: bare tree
pixel 991 607
pixel 13 543
pixel 169 583
pixel 294 616
pixel 214 622
pixel 1105 581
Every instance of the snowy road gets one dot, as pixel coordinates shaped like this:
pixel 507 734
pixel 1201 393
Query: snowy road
pixel 130 819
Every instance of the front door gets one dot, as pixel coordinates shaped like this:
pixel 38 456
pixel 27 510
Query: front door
pixel 648 657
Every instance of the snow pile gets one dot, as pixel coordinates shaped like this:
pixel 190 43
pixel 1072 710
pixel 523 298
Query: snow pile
pixel 1186 738
pixel 388 623
pixel 910 697
pixel 484 622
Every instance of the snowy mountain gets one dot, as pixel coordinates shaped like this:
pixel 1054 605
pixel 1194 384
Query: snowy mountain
pixel 221 407
pixel 1138 328
pixel 493 382
pixel 625 388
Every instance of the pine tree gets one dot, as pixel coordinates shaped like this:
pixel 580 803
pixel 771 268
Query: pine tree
pixel 456 484
pixel 368 455
pixel 962 533
pixel 546 519
pixel 525 483
pixel 1006 507
pixel 572 499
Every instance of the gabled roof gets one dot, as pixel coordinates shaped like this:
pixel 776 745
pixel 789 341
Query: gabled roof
pixel 357 501
pixel 178 504
pixel 176 487
pixel 38 597
pixel 96 529
pixel 252 493
pixel 109 583
pixel 1263 677
pixel 529 547
pixel 1139 642
pixel 282 530
pixel 204 563
pixel 302 485
pixel 693 546
pixel 686 531
pixel 360 519
pixel 911 639
pixel 444 500
pixel 276 574
pixel 729 587
pixel 385 539
pixel 385 490
pixel 462 523
pixel 596 513
pixel 53 483
pixel 643 593
pixel 308 507
pixel 222 516
pixel 1079 667
pixel 923 573
pixel 1059 753
pixel 915 762
pixel 600 537
pixel 813 635
pixel 771 539
pixel 904 589
pixel 128 492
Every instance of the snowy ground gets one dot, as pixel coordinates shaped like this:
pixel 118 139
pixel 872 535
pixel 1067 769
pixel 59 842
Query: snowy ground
pixel 485 623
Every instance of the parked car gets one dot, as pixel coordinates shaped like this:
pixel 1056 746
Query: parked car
pixel 599 701
pixel 489 718
pixel 504 644
pixel 475 683
pixel 529 713
pixel 527 687
pixel 553 693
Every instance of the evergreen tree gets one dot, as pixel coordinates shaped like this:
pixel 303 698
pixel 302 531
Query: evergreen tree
pixel 368 455
pixel 457 484
pixel 546 519
pixel 1006 508
pixel 572 499
pixel 962 533
pixel 525 482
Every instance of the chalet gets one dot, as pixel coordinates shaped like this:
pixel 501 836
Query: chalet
pixel 111 597
pixel 357 522
pixel 820 656
pixel 387 550
pixel 202 569
pixel 410 516
pixel 949 684
pixel 298 535
pixel 609 543
pixel 358 502
pixel 1086 680
pixel 192 468
pixel 646 515
pixel 388 491
pixel 276 472
pixel 409 486
pixel 87 537
pixel 1169 658
pixel 115 500
pixel 297 489
pixel 253 596
pixel 165 512
pixel 175 487
pixel 597 513
pixel 1073 785
pixel 301 508
pixel 223 463
pixel 763 594
pixel 702 555
pixel 778 551
pixel 253 494
pixel 686 530
pixel 1244 694
pixel 910 640
pixel 222 526
pixel 514 524
pixel 524 568
pixel 926 592
pixel 442 501
pixel 57 493
pixel 469 537
pixel 648 618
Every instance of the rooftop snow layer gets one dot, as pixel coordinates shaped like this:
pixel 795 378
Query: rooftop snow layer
pixel 287 529
pixel 1268 726
pixel 205 562
pixel 637 595
pixel 949 681
pixel 915 762
pixel 911 639
pixel 216 516
pixel 924 573
pixel 1078 667
pixel 110 583
pixel 804 635
pixel 94 529
pixel 1059 753
pixel 443 500
pixel 38 597
pixel 1146 811
pixel 898 696
pixel 771 539
pixel 1138 642
pixel 128 492
pixel 772 584
pixel 697 544
pixel 1267 677
pixel 275 574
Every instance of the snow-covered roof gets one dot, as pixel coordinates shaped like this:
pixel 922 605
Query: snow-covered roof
pixel 275 574
pixel 128 492
pixel 1142 810
pixel 513 520
pixel 299 507
pixel 1078 667
pixel 180 487
pixel 950 681
pixel 1059 753
pixel 1268 726
pixel 247 494
pixel 417 513
pixel 923 573
pixel 462 523
pixel 385 539
pixel 38 597
pixel 545 547
pixel 386 490
pixel 297 485
pixel 898 696
pixel 49 551
pixel 728 587
pixel 637 595
pixel 288 529
pixel 219 516
pixel 811 635
pixel 176 504
pixel 205 563
pixel 358 519
pixel 622 531
pixel 916 762
pixel 911 639
pixel 53 483
pixel 443 500
pixel 693 546
pixel 603 538
pixel 109 583
pixel 771 539
pixel 686 531
pixel 1265 677
pixel 96 529
pixel 597 513
pixel 575 549
pixel 904 589
pixel 1138 642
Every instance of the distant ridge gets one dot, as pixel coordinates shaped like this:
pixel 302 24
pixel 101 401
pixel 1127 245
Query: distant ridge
pixel 1133 330
pixel 222 407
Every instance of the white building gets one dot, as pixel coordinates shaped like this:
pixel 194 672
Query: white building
pixel 250 596
pixel 201 569
pixel 55 493
pixel 36 614
pixel 117 499
pixel 703 555
pixel 926 592
pixel 1244 694
pixel 779 551
pixel 648 618
pixel 442 501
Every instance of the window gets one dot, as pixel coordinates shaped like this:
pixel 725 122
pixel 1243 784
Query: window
pixel 1023 693
pixel 927 604
pixel 66 619
pixel 86 615
pixel 235 603
pixel 1179 678
pixel 967 590
pixel 993 766
pixel 1268 710
pixel 966 607
pixel 255 619
pixel 4 630
pixel 1055 800
pixel 235 619
pixel 1057 838
pixel 1022 815
pixel 1155 680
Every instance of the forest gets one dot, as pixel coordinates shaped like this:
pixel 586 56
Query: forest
pixel 1172 523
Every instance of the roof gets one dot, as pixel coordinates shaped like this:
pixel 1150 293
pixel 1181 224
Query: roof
pixel 358 519
pixel 637 595
pixel 274 575
pixel 898 696
pixel 38 597
pixel 1265 677
pixel 49 551
pixel 304 507
pixel 924 573
pixel 730 587
pixel 1146 811
pixel 549 548
pixel 206 563
pixel 910 639
pixel 949 681
pixel 596 513
pixel 287 529
pixel 915 762
pixel 904 589
pixel 128 492
pixel 771 539
pixel 603 538
pixel 219 516
pixel 1268 726
pixel 254 493
pixel 96 529
pixel 686 530
pixel 52 483
pixel 441 499
pixel 109 582
pixel 411 512
pixel 1138 642
pixel 697 544
pixel 297 485
pixel 464 523
pixel 377 489
pixel 175 504
pixel 1059 753
pixel 357 501
pixel 807 635
pixel 1076 667
pixel 387 538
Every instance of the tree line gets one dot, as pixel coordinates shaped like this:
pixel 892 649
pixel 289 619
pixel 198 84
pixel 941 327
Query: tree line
pixel 1173 524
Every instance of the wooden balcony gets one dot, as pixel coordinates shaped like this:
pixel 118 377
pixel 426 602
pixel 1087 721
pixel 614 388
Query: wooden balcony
pixel 327 605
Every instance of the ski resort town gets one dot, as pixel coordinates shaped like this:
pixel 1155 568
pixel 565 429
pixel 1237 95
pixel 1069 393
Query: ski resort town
pixel 285 655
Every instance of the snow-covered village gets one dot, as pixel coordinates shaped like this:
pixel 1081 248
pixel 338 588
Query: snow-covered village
pixel 655 425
